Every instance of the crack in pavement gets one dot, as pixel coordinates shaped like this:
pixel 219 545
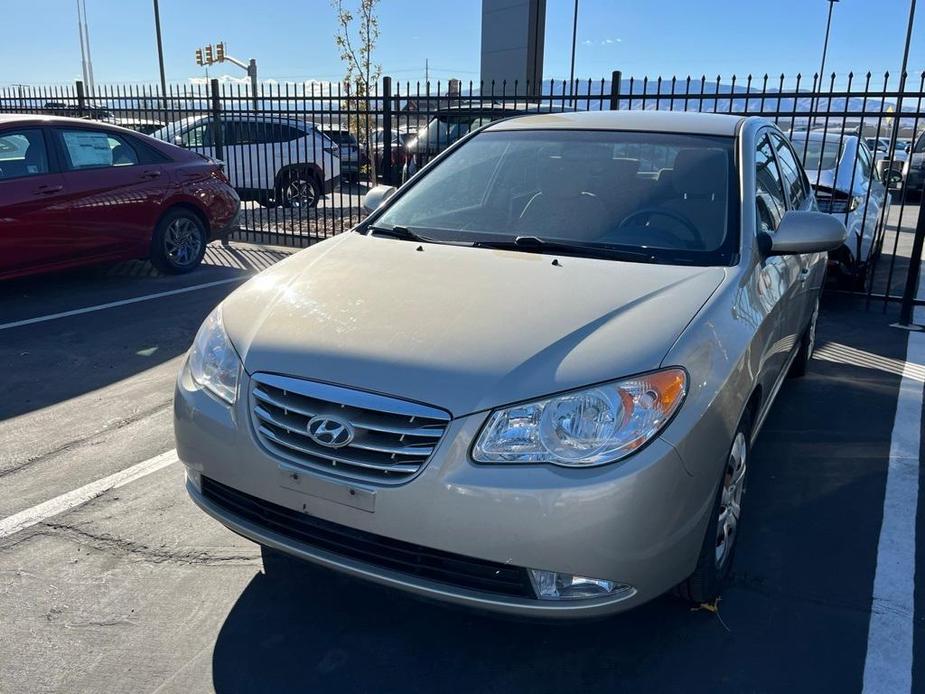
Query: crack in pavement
pixel 155 555
pixel 85 440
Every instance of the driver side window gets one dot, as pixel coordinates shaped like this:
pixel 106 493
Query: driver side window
pixel 198 136
pixel 769 191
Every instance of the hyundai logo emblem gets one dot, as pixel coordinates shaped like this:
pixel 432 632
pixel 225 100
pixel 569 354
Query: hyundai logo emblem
pixel 330 432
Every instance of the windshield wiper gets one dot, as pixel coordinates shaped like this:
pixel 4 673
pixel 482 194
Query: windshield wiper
pixel 591 250
pixel 398 232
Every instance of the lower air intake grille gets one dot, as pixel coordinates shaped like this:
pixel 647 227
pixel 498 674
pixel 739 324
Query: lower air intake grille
pixel 397 555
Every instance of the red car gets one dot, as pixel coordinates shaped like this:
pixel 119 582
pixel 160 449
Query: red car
pixel 76 192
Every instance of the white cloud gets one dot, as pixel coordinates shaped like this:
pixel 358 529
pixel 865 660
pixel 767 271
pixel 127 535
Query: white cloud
pixel 587 42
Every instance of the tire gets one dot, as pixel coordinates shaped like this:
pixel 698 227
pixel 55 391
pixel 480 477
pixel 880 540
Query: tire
pixel 714 564
pixel 807 346
pixel 297 189
pixel 179 242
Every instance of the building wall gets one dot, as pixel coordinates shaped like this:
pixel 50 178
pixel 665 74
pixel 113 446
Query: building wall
pixel 512 44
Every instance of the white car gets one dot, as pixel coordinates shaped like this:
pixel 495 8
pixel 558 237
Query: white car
pixel 274 161
pixel 847 183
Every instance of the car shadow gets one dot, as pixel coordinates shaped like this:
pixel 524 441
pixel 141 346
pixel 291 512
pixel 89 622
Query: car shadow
pixel 55 360
pixel 316 630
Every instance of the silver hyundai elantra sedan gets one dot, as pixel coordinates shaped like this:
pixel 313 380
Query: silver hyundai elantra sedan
pixel 530 379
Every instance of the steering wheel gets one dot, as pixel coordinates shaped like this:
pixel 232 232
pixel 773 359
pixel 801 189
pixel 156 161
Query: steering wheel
pixel 648 212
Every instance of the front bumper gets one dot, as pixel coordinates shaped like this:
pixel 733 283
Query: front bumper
pixel 638 523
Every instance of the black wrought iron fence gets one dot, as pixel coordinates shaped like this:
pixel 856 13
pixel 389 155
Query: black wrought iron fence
pixel 861 140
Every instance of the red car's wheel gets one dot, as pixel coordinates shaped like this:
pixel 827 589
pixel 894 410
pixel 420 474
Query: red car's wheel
pixel 179 242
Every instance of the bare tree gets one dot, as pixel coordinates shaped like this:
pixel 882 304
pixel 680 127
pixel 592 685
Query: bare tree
pixel 356 40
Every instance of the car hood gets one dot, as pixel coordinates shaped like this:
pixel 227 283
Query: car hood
pixel 461 328
pixel 826 179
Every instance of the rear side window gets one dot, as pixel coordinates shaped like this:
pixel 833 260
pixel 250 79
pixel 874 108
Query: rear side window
pixel 920 145
pixel 94 149
pixel 770 200
pixel 259 133
pixel 341 137
pixel 198 136
pixel 794 178
pixel 22 153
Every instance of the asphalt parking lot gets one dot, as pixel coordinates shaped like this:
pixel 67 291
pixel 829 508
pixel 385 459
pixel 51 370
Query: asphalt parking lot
pixel 135 590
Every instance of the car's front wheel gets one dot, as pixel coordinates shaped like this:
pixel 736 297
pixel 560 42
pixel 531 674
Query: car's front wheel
pixel 299 189
pixel 179 242
pixel 714 563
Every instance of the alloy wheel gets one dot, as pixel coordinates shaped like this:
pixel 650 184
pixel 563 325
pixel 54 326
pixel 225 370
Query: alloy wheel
pixel 182 242
pixel 299 192
pixel 730 507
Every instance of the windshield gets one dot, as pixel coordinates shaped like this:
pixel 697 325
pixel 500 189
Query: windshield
pixel 169 131
pixel 443 131
pixel 670 195
pixel 920 145
pixel 819 156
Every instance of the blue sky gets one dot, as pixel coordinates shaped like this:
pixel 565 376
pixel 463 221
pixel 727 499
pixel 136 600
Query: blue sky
pixel 293 39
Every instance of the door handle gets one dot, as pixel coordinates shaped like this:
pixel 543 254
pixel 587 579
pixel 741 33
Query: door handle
pixel 150 174
pixel 47 190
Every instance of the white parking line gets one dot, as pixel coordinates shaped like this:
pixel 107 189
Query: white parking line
pixel 123 302
pixel 888 665
pixel 65 502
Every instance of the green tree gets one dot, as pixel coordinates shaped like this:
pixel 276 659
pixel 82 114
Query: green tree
pixel 357 33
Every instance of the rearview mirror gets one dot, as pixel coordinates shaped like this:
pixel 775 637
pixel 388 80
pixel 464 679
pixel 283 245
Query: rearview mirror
pixel 374 199
pixel 803 232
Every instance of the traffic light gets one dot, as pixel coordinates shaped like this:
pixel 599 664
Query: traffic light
pixel 199 60
pixel 220 52
pixel 209 57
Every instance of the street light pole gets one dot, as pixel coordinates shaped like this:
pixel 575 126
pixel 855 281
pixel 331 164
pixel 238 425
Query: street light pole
pixel 160 51
pixel 825 48
pixel 574 37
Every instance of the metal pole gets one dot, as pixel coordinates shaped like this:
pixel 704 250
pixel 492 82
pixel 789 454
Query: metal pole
pixel 386 131
pixel 915 265
pixel 915 260
pixel 217 121
pixel 160 50
pixel 252 73
pixel 902 84
pixel 91 84
pixel 81 98
pixel 825 48
pixel 83 52
pixel 571 80
pixel 616 77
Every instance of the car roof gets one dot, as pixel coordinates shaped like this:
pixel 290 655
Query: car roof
pixel 41 119
pixel 820 135
pixel 489 107
pixel 651 121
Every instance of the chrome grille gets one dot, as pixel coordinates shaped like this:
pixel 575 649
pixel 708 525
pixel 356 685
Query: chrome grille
pixel 392 439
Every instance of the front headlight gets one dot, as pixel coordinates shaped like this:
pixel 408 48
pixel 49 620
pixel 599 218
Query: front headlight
pixel 213 362
pixel 593 426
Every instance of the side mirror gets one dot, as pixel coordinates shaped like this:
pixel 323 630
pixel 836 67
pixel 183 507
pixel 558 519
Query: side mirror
pixel 894 179
pixel 178 140
pixel 803 232
pixel 374 199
